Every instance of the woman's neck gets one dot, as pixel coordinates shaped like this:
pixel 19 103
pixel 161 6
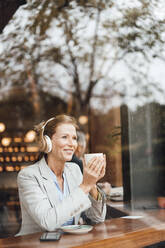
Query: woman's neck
pixel 57 166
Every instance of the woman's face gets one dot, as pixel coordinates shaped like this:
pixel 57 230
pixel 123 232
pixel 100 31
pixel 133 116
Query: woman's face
pixel 64 142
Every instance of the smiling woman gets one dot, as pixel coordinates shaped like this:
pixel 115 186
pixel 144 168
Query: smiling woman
pixel 53 192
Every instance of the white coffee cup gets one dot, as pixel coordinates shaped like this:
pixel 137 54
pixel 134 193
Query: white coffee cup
pixel 89 156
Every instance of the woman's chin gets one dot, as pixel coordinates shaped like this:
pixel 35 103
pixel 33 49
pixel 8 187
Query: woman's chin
pixel 69 157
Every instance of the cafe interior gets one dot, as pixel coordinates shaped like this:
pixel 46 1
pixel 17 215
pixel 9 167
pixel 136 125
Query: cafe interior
pixel 133 142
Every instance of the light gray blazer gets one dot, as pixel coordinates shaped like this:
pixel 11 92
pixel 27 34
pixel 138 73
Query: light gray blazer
pixel 40 206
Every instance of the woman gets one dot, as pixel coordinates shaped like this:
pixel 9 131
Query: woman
pixel 52 191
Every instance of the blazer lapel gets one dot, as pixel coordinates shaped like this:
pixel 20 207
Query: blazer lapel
pixel 71 184
pixel 48 182
pixel 70 178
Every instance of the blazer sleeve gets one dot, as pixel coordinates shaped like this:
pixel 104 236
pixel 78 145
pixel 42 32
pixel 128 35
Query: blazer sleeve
pixel 97 212
pixel 35 200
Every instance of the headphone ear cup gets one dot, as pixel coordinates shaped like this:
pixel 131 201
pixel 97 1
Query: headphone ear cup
pixel 48 144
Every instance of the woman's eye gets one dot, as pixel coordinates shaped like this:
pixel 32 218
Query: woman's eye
pixel 64 137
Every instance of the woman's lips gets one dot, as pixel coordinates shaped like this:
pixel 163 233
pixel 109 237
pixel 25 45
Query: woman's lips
pixel 69 151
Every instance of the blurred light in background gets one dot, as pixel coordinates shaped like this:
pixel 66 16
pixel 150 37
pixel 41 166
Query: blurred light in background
pixel 19 158
pixel 16 149
pixel 23 166
pixel 13 158
pixel 7 159
pixel 83 119
pixel 32 158
pixel 9 168
pixel 17 139
pixel 10 149
pixel 22 149
pixel 32 149
pixel 6 141
pixel 26 158
pixel 17 168
pixel 30 136
pixel 2 127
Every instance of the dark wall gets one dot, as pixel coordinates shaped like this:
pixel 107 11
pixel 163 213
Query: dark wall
pixel 143 155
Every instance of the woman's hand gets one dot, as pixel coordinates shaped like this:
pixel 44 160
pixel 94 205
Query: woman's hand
pixel 92 172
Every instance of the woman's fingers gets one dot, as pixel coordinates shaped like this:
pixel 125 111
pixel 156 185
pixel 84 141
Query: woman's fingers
pixel 92 162
pixel 102 172
pixel 95 164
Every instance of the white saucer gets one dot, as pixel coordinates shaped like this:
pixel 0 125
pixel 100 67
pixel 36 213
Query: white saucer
pixel 77 229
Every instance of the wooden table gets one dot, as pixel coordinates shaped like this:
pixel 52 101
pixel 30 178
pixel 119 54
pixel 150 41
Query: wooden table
pixel 119 232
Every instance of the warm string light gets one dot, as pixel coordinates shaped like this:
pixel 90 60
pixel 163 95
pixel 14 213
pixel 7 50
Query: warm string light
pixel 19 158
pixel 9 168
pixel 2 127
pixel 6 141
pixel 15 146
pixel 7 159
pixel 26 158
pixel 17 168
pixel 17 139
pixel 22 149
pixel 10 149
pixel 83 119
pixel 16 149
pixel 30 136
pixel 32 149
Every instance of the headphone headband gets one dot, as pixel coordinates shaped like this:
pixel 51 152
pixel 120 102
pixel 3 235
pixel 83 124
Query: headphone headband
pixel 46 139
pixel 48 122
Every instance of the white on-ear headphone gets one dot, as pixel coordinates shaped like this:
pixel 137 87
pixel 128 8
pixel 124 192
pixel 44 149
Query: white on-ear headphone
pixel 46 138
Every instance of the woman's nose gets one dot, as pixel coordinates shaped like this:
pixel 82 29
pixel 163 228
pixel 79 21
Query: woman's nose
pixel 71 142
